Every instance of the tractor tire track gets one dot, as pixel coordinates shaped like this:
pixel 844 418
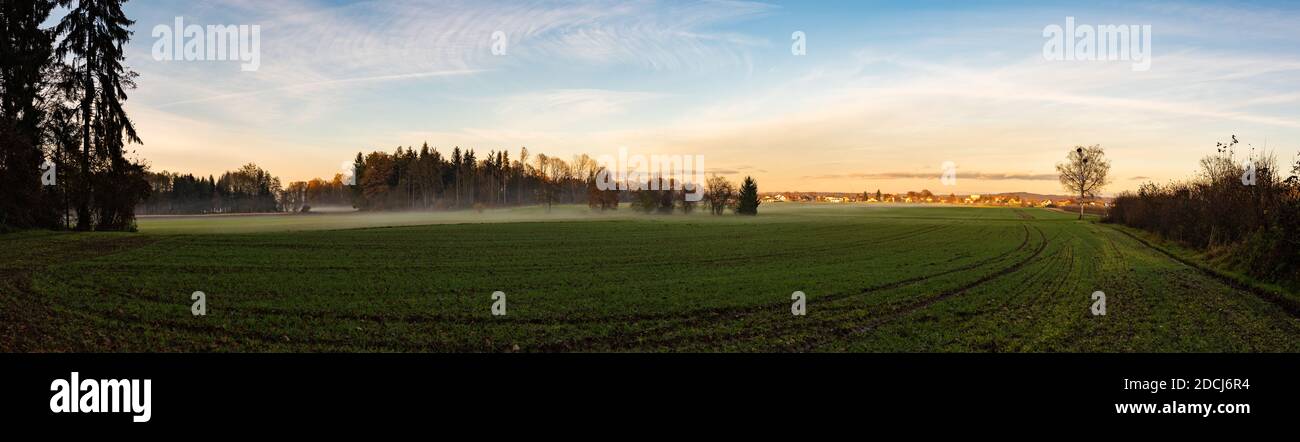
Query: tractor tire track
pixel 698 315
pixel 846 332
pixel 825 325
pixel 691 318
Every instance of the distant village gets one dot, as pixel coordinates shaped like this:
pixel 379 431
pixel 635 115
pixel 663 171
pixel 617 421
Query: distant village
pixel 926 197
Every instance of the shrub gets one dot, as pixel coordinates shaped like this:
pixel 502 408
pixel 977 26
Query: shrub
pixel 1253 221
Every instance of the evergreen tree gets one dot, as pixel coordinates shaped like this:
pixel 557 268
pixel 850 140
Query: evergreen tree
pixel 748 197
pixel 25 52
pixel 358 171
pixel 94 33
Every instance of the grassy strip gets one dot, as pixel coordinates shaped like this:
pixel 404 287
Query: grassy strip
pixel 1274 293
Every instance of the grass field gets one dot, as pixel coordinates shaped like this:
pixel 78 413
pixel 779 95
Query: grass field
pixel 877 278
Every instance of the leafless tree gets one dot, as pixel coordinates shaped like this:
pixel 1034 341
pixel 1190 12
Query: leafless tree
pixel 719 193
pixel 1084 172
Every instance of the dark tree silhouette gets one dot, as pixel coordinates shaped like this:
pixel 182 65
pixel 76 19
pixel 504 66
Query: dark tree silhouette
pixel 25 53
pixel 93 35
pixel 600 199
pixel 748 204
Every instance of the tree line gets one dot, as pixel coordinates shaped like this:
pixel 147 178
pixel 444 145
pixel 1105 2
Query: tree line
pixel 246 190
pixel 425 179
pixel 422 179
pixel 64 133
pixel 1245 212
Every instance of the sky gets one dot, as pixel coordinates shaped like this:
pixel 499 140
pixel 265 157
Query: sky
pixel 883 96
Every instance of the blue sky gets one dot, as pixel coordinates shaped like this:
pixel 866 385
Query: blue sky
pixel 887 92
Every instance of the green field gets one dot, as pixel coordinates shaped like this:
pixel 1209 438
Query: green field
pixel 877 278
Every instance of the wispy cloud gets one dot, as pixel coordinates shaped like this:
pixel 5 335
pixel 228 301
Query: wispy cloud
pixel 310 48
pixel 983 176
pixel 573 103
pixel 317 86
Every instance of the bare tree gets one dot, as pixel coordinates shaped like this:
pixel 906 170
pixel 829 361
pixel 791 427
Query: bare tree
pixel 719 192
pixel 1084 172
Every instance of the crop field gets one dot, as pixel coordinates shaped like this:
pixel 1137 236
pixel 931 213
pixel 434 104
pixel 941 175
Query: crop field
pixel 876 279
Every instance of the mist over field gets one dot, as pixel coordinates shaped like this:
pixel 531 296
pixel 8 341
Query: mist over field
pixel 352 219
